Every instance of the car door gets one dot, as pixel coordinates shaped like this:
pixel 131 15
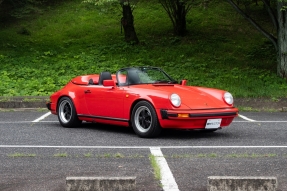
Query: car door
pixel 105 101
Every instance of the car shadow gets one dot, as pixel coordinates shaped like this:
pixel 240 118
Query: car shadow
pixel 172 134
pixel 165 134
pixel 107 128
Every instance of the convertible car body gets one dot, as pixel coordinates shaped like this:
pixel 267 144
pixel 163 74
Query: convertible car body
pixel 145 98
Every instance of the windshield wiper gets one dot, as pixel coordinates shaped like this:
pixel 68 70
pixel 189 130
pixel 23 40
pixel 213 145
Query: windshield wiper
pixel 165 82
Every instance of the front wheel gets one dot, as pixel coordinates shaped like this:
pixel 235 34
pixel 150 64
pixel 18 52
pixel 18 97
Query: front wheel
pixel 144 120
pixel 67 114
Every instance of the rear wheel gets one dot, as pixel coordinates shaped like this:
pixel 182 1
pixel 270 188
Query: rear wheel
pixel 67 114
pixel 144 120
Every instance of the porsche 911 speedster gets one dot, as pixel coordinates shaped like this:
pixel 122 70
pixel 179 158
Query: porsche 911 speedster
pixel 146 98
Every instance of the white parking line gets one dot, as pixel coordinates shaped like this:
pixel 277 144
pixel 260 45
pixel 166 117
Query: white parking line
pixel 19 122
pixel 167 179
pixel 257 121
pixel 16 122
pixel 42 117
pixel 142 147
pixel 246 118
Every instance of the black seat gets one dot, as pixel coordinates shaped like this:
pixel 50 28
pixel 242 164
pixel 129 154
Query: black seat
pixel 91 81
pixel 133 77
pixel 104 76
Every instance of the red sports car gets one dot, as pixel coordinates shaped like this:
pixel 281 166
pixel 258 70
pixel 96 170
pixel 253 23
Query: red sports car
pixel 146 98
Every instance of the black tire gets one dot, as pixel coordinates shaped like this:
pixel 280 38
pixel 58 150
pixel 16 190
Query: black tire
pixel 67 114
pixel 144 120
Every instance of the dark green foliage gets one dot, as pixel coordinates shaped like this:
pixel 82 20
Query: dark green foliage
pixel 221 50
pixel 24 31
pixel 22 8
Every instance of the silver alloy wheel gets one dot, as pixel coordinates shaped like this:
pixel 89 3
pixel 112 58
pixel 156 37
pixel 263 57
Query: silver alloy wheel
pixel 143 119
pixel 65 111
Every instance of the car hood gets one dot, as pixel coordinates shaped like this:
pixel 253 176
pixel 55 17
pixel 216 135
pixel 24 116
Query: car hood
pixel 192 96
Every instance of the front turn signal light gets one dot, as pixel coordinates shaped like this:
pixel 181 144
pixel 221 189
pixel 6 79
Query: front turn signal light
pixel 183 115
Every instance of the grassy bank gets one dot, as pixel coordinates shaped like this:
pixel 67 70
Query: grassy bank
pixel 221 49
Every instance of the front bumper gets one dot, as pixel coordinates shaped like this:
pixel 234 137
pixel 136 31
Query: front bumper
pixel 165 114
pixel 195 119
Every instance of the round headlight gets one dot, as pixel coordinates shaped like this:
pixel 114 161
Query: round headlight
pixel 175 100
pixel 228 98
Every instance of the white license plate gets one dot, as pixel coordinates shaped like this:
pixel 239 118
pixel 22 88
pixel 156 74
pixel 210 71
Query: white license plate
pixel 213 123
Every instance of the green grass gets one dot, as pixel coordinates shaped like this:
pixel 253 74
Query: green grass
pixel 119 155
pixel 88 155
pixel 155 166
pixel 221 50
pixel 152 158
pixel 233 155
pixel 60 155
pixel 253 155
pixel 21 155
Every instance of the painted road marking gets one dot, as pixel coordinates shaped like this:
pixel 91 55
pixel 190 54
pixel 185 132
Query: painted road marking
pixel 259 121
pixel 16 122
pixel 167 179
pixel 246 118
pixel 141 147
pixel 19 122
pixel 42 117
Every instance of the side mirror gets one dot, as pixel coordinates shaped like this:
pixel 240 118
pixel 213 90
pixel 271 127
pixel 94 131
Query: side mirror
pixel 183 82
pixel 109 83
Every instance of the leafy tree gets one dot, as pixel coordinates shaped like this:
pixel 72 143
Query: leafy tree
pixel 277 12
pixel 127 19
pixel 21 8
pixel 128 22
pixel 177 11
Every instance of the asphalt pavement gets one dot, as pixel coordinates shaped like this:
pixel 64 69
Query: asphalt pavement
pixel 36 153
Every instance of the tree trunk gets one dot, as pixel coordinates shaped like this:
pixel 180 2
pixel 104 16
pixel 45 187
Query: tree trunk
pixel 282 40
pixel 128 24
pixel 180 20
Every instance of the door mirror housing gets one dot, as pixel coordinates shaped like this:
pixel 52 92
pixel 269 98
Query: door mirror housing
pixel 183 82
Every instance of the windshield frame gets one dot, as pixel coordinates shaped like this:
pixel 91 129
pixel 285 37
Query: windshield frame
pixel 132 77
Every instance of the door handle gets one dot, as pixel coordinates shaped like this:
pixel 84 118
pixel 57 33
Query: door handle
pixel 87 91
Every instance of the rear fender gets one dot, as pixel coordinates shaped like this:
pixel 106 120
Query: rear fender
pixel 77 98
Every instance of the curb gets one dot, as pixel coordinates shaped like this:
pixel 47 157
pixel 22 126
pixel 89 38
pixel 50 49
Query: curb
pixel 241 183
pixel 215 183
pixel 101 183
pixel 244 104
pixel 23 102
pixel 261 104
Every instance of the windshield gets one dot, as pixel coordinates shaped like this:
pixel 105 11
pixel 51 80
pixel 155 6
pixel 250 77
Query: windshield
pixel 143 75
